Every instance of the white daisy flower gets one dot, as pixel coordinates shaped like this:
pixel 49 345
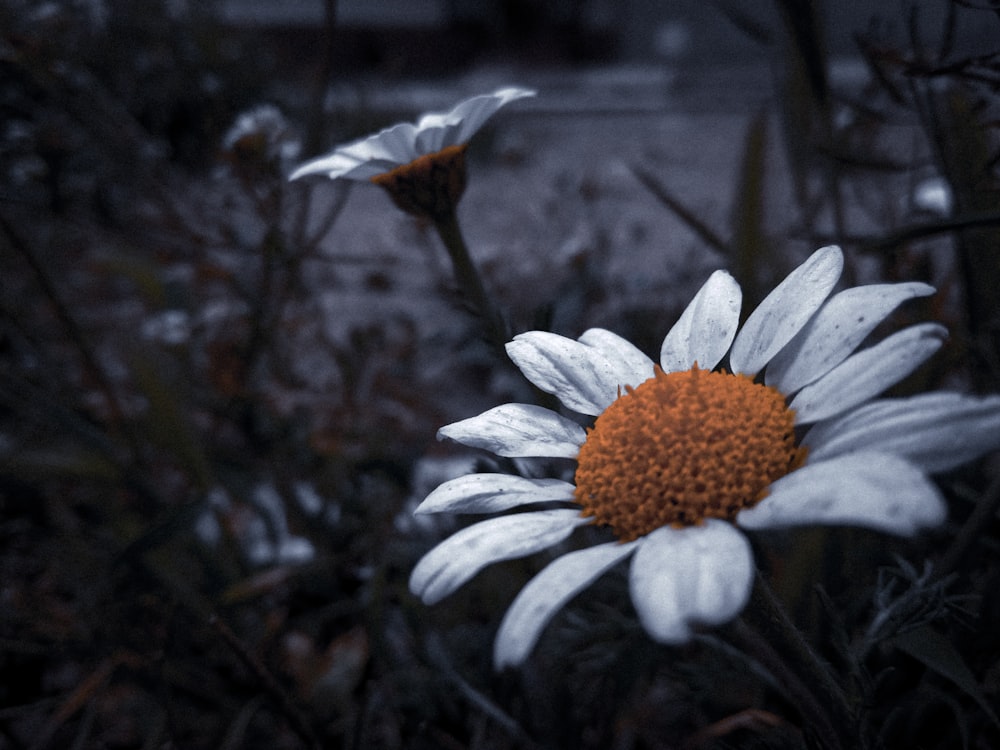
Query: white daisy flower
pixel 261 135
pixel 422 165
pixel 683 456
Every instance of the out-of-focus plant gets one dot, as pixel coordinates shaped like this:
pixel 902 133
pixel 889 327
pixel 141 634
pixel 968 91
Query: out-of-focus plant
pixel 423 168
pixel 950 91
pixel 178 479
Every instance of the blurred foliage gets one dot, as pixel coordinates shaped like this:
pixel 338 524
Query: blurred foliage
pixel 205 483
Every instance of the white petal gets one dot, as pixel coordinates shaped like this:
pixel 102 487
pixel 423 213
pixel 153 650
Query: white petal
pixel 367 157
pixel 395 144
pixel 441 129
pixel 633 367
pixel 459 557
pixel 519 430
pixel 935 431
pixel 706 328
pixel 875 490
pixel 404 142
pixel 682 577
pixel 546 594
pixel 868 373
pixel 337 165
pixel 836 331
pixel 581 376
pixel 430 140
pixel 489 493
pixel 476 111
pixel 786 310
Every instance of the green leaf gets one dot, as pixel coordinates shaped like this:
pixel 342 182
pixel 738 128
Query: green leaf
pixel 751 252
pixel 938 654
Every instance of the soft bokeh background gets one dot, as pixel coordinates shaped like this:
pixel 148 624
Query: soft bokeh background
pixel 219 391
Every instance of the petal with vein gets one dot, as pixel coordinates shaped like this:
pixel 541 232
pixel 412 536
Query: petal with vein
pixel 580 376
pixel 875 490
pixel 431 139
pixel 785 311
pixel 489 493
pixel 696 574
pixel 868 373
pixel 518 431
pixel 836 331
pixel 633 367
pixel 476 111
pixel 459 557
pixel 396 143
pixel 335 165
pixel 935 431
pixel 706 328
pixel 546 594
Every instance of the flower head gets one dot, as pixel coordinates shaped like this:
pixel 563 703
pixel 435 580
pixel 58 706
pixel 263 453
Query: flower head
pixel 421 165
pixel 261 137
pixel 682 456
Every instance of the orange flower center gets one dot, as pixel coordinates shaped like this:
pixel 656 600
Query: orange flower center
pixel 683 447
pixel 430 185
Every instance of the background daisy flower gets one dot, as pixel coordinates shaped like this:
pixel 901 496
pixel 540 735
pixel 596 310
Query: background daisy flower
pixel 422 167
pixel 682 456
pixel 422 164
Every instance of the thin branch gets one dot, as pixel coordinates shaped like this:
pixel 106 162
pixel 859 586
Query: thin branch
pixel 274 689
pixel 705 232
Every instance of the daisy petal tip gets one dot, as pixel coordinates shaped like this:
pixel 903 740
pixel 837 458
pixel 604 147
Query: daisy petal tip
pixel 309 168
pixel 512 93
pixel 509 654
pixel 832 254
pixel 420 587
pixel 873 490
pixel 694 576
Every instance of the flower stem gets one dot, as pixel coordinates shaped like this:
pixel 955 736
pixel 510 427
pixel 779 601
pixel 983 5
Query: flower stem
pixel 811 709
pixel 469 279
pixel 805 662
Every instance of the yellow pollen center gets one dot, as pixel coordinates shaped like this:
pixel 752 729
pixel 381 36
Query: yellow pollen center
pixel 430 185
pixel 683 447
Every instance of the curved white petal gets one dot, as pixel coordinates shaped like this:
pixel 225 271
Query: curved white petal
pixel 363 159
pixel 517 431
pixel 836 331
pixel 581 376
pixel 474 112
pixel 785 311
pixel 683 577
pixel 868 373
pixel 338 164
pixel 489 493
pixel 402 143
pixel 459 557
pixel 437 130
pixel 935 431
pixel 875 490
pixel 632 365
pixel 546 594
pixel 397 144
pixel 431 139
pixel 706 328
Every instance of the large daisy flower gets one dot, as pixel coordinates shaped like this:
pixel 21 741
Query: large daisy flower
pixel 682 456
pixel 422 164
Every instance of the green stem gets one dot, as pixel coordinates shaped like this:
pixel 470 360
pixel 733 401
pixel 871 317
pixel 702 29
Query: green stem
pixel 812 711
pixel 469 279
pixel 790 642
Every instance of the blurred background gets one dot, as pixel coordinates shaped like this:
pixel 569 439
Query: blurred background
pixel 219 391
